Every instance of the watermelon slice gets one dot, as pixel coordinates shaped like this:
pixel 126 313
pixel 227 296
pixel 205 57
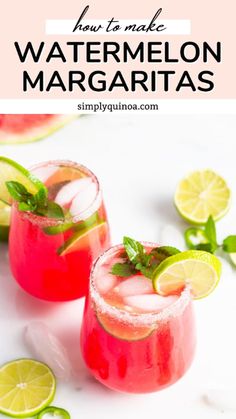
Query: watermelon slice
pixel 26 128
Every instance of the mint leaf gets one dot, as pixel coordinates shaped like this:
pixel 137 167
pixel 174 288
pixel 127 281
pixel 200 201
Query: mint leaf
pixel 164 251
pixel 40 198
pixel 229 244
pixel 138 260
pixel 134 249
pixel 146 271
pixel 54 210
pixel 158 254
pixel 123 269
pixel 37 204
pixel 23 206
pixel 18 191
pixel 145 259
pixel 207 247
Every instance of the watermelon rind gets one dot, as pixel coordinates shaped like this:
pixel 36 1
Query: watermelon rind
pixel 36 133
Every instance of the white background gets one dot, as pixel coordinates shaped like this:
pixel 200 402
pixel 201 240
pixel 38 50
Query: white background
pixel 139 160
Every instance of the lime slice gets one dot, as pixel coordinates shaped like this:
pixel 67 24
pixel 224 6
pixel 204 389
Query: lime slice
pixel 54 412
pixel 12 171
pixel 201 194
pixel 26 387
pixel 82 225
pixel 201 270
pixel 123 331
pixel 5 212
pixel 58 229
pixel 83 238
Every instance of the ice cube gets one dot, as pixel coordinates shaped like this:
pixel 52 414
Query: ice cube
pixel 47 348
pixel 134 286
pixel 84 198
pixel 149 302
pixel 68 192
pixel 105 281
pixel 221 399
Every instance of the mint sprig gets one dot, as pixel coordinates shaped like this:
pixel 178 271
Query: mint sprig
pixel 138 260
pixel 229 244
pixel 205 238
pixel 38 203
pixel 124 270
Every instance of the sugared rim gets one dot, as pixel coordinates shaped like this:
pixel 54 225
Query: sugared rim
pixel 83 215
pixel 142 319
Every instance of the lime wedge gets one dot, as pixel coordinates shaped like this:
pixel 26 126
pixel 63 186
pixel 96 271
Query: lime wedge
pixel 12 171
pixel 26 387
pixel 201 270
pixel 5 212
pixel 201 194
pixel 83 238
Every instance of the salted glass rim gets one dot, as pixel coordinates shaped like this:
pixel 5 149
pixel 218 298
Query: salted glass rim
pixel 138 319
pixel 83 215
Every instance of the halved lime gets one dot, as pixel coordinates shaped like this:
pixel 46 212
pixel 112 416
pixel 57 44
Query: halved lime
pixel 5 212
pixel 26 387
pixel 201 194
pixel 83 238
pixel 201 270
pixel 12 171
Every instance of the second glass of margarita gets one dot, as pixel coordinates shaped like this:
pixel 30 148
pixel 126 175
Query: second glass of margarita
pixel 51 259
pixel 132 339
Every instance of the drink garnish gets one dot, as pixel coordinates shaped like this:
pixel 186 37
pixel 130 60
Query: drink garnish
pixel 38 203
pixel 197 269
pixel 17 183
pixel 10 170
pixel 137 259
pixel 169 269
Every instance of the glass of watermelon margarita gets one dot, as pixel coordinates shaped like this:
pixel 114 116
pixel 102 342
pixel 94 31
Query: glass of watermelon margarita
pixel 51 259
pixel 132 339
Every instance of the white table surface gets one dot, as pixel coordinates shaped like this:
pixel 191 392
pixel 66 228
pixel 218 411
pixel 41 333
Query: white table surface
pixel 138 160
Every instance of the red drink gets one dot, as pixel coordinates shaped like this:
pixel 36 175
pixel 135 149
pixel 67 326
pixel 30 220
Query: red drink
pixel 52 259
pixel 132 339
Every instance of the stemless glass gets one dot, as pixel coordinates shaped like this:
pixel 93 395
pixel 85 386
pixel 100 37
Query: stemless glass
pixel 132 352
pixel 51 259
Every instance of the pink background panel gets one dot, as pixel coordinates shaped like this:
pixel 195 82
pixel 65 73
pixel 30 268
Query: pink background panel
pixel 24 21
